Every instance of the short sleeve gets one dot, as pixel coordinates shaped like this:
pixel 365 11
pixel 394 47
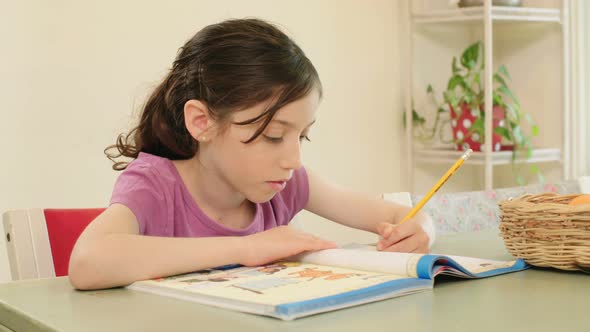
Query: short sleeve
pixel 136 189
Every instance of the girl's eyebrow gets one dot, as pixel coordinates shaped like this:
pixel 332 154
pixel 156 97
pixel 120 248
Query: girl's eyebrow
pixel 290 124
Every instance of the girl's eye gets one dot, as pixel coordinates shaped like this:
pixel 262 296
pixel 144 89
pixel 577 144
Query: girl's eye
pixel 273 139
pixel 280 139
pixel 304 137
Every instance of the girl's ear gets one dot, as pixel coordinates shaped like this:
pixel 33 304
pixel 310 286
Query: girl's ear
pixel 198 120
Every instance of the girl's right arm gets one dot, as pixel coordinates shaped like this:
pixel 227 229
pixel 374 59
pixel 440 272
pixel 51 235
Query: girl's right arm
pixel 110 252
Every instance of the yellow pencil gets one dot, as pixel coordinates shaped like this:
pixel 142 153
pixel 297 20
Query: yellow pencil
pixel 437 186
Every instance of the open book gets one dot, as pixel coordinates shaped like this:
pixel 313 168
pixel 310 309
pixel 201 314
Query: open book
pixel 321 281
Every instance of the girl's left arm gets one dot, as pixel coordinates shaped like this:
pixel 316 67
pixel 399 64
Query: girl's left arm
pixel 370 214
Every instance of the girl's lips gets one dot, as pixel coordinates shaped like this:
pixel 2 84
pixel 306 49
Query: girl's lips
pixel 277 185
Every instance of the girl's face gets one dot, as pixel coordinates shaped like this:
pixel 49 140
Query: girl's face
pixel 261 168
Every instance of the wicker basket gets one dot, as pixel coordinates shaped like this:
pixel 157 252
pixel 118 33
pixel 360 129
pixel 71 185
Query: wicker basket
pixel 545 231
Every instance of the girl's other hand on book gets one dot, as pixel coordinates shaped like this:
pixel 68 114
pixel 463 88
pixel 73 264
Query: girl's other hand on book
pixel 407 237
pixel 279 242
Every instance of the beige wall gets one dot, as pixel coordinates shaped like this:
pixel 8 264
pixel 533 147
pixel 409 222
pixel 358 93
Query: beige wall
pixel 72 72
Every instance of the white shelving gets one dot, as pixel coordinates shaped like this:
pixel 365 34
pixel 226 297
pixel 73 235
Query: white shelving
pixel 476 14
pixel 478 158
pixel 488 16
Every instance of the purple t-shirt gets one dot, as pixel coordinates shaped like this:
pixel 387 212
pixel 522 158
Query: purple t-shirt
pixel 154 191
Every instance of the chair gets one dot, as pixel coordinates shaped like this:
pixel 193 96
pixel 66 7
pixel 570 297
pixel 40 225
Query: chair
pixel 40 241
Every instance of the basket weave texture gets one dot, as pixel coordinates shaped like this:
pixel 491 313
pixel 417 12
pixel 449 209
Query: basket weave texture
pixel 545 231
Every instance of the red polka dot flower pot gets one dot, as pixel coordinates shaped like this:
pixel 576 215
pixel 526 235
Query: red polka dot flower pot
pixel 468 127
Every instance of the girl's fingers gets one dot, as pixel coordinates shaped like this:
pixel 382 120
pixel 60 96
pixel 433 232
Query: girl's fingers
pixel 399 233
pixel 418 242
pixel 385 229
pixel 406 245
pixel 324 244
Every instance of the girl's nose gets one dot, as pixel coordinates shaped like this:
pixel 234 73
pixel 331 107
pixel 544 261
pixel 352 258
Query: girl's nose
pixel 292 156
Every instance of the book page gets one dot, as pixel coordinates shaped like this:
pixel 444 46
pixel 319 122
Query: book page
pixel 273 284
pixel 477 265
pixel 365 258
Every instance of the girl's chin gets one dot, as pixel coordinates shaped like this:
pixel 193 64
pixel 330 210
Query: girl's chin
pixel 257 199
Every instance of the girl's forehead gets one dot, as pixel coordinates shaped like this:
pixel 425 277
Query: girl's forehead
pixel 297 114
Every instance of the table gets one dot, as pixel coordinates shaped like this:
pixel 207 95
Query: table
pixel 535 299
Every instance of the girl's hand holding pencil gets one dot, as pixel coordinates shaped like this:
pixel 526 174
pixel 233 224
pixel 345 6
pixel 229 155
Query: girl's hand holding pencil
pixel 405 237
pixel 410 236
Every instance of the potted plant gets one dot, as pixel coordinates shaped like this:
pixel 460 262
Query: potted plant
pixel 463 99
pixel 425 133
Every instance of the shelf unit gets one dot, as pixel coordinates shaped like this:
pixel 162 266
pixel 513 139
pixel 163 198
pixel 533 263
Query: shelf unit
pixel 488 15
pixel 478 158
pixel 477 14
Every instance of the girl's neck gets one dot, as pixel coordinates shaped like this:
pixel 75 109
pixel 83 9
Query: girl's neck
pixel 214 195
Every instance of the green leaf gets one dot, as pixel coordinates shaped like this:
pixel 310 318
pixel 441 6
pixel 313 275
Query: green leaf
pixel 478 123
pixel 500 80
pixel 468 98
pixel 478 127
pixel 470 56
pixel 416 118
pixel 476 80
pixel 429 88
pixel 502 70
pixel 450 98
pixel 454 81
pixel 441 110
pixel 518 136
pixel 497 99
pixel 511 113
pixel 534 127
pixel 513 124
pixel 503 132
pixel 447 96
pixel 454 66
pixel 504 90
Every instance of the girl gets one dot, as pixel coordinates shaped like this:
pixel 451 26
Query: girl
pixel 216 173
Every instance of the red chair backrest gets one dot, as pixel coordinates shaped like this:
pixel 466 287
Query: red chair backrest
pixel 64 226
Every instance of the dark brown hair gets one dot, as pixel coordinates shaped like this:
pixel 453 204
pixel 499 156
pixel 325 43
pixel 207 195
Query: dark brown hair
pixel 230 66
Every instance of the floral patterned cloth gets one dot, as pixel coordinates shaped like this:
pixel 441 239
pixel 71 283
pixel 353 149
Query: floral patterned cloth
pixel 478 210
